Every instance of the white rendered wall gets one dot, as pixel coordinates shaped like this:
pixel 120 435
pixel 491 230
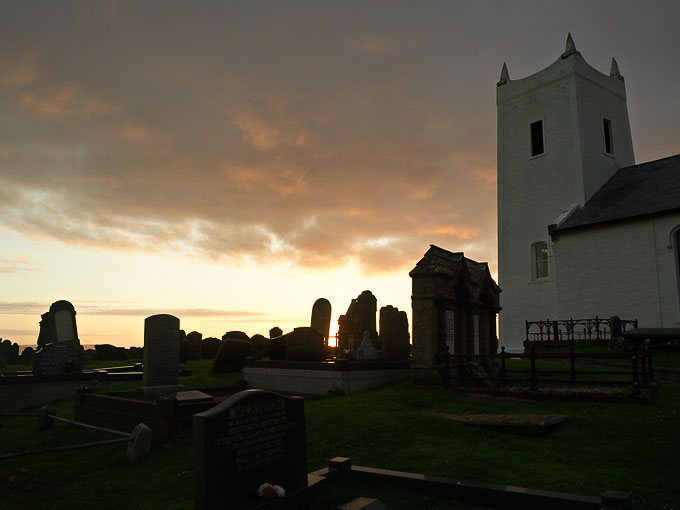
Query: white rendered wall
pixel 625 269
pixel 571 98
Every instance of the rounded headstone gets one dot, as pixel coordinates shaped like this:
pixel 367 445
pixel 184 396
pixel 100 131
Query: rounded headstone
pixel 161 350
pixel 321 317
pixel 231 355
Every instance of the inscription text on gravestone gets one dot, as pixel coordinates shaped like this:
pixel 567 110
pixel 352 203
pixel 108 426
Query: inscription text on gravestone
pixel 254 437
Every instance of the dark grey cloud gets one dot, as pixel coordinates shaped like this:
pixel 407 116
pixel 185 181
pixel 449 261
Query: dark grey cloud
pixel 306 132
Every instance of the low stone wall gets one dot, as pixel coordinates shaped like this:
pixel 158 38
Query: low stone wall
pixel 19 392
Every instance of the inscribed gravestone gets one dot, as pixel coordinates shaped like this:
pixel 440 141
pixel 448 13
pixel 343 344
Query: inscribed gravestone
pixel 253 437
pixel 321 317
pixel 161 350
pixel 59 349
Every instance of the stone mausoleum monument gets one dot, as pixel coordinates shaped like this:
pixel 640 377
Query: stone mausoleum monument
pixel 59 349
pixel 455 301
pixel 161 354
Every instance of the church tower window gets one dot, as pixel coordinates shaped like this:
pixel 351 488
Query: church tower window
pixel 608 141
pixel 536 130
pixel 539 260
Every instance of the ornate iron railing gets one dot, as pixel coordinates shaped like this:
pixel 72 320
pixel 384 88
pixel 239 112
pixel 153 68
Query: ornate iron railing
pixel 573 329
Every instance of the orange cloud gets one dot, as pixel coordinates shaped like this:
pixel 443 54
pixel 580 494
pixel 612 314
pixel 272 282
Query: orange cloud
pixel 64 103
pixel 372 44
pixel 462 233
pixel 138 133
pixel 19 71
pixel 17 264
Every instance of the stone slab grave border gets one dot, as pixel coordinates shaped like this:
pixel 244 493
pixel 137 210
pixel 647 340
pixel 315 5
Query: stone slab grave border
pixel 475 493
pixel 523 424
pixel 251 438
pixel 21 390
pixel 322 378
pixel 166 415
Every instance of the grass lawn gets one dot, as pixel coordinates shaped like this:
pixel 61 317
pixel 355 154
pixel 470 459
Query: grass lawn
pixel 629 447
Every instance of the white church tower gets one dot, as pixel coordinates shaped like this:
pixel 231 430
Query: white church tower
pixel 562 133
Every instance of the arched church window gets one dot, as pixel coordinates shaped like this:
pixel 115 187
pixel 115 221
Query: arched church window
pixel 539 260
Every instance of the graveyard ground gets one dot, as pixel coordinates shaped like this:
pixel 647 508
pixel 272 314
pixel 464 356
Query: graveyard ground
pixel 631 447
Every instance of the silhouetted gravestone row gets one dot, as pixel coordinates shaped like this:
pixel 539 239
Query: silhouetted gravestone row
pixel 9 352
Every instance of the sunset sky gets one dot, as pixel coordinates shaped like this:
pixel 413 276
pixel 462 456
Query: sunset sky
pixel 231 162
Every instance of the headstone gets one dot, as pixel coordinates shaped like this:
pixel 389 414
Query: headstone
pixel 9 352
pixel 140 443
pixel 108 352
pixel 394 335
pixel 161 350
pixel 27 356
pixel 615 327
pixel 59 349
pixel 304 344
pixel 321 317
pixel 58 324
pixel 253 437
pixel 231 356
pixel 194 340
pixel 259 346
pixel 209 347
pixel 366 351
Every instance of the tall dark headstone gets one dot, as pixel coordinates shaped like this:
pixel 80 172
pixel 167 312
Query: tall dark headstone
pixel 59 349
pixel 161 350
pixel 321 317
pixel 394 334
pixel 253 437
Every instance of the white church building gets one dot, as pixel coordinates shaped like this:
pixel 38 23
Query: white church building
pixel 582 230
